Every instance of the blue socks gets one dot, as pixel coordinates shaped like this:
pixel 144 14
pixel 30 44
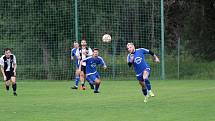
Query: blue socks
pixel 97 87
pixel 144 91
pixel 147 83
pixel 77 78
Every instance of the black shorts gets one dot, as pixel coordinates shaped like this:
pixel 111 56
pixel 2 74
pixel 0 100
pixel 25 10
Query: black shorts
pixel 83 68
pixel 9 74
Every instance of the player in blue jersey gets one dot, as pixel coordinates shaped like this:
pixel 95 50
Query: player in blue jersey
pixel 93 76
pixel 74 57
pixel 142 69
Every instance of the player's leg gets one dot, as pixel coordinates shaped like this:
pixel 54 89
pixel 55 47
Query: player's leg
pixel 85 76
pixel 14 85
pixel 82 77
pixel 90 81
pixel 97 84
pixel 7 81
pixel 91 85
pixel 82 80
pixel 144 90
pixel 146 74
pixel 77 78
pixel 7 85
pixel 94 80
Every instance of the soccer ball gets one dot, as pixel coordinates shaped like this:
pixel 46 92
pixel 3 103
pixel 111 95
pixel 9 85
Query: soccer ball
pixel 106 38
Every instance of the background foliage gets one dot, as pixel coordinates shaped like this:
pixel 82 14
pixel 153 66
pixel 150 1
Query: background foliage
pixel 41 32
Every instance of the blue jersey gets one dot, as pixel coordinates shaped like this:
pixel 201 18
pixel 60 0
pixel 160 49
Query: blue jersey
pixel 73 52
pixel 139 61
pixel 91 63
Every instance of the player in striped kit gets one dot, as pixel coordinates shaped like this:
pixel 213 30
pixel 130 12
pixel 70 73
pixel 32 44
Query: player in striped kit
pixel 8 69
pixel 81 54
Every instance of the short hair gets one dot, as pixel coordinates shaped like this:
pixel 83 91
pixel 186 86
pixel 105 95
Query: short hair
pixel 75 42
pixel 84 40
pixel 96 49
pixel 130 43
pixel 6 49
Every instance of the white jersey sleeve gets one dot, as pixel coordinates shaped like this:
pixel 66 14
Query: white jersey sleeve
pixel 144 50
pixel 102 62
pixel 90 52
pixel 2 61
pixel 14 59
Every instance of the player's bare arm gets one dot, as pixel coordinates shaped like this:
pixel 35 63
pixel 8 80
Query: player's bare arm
pixel 156 59
pixel 14 71
pixel 79 69
pixel 105 67
pixel 2 70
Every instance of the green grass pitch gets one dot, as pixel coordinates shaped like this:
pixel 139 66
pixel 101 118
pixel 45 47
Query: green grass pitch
pixel 183 100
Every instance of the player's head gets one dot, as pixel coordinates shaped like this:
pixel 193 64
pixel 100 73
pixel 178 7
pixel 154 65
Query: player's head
pixel 83 43
pixel 75 44
pixel 130 47
pixel 7 52
pixel 95 52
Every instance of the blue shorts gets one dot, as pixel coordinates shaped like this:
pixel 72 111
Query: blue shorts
pixel 140 76
pixel 91 78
